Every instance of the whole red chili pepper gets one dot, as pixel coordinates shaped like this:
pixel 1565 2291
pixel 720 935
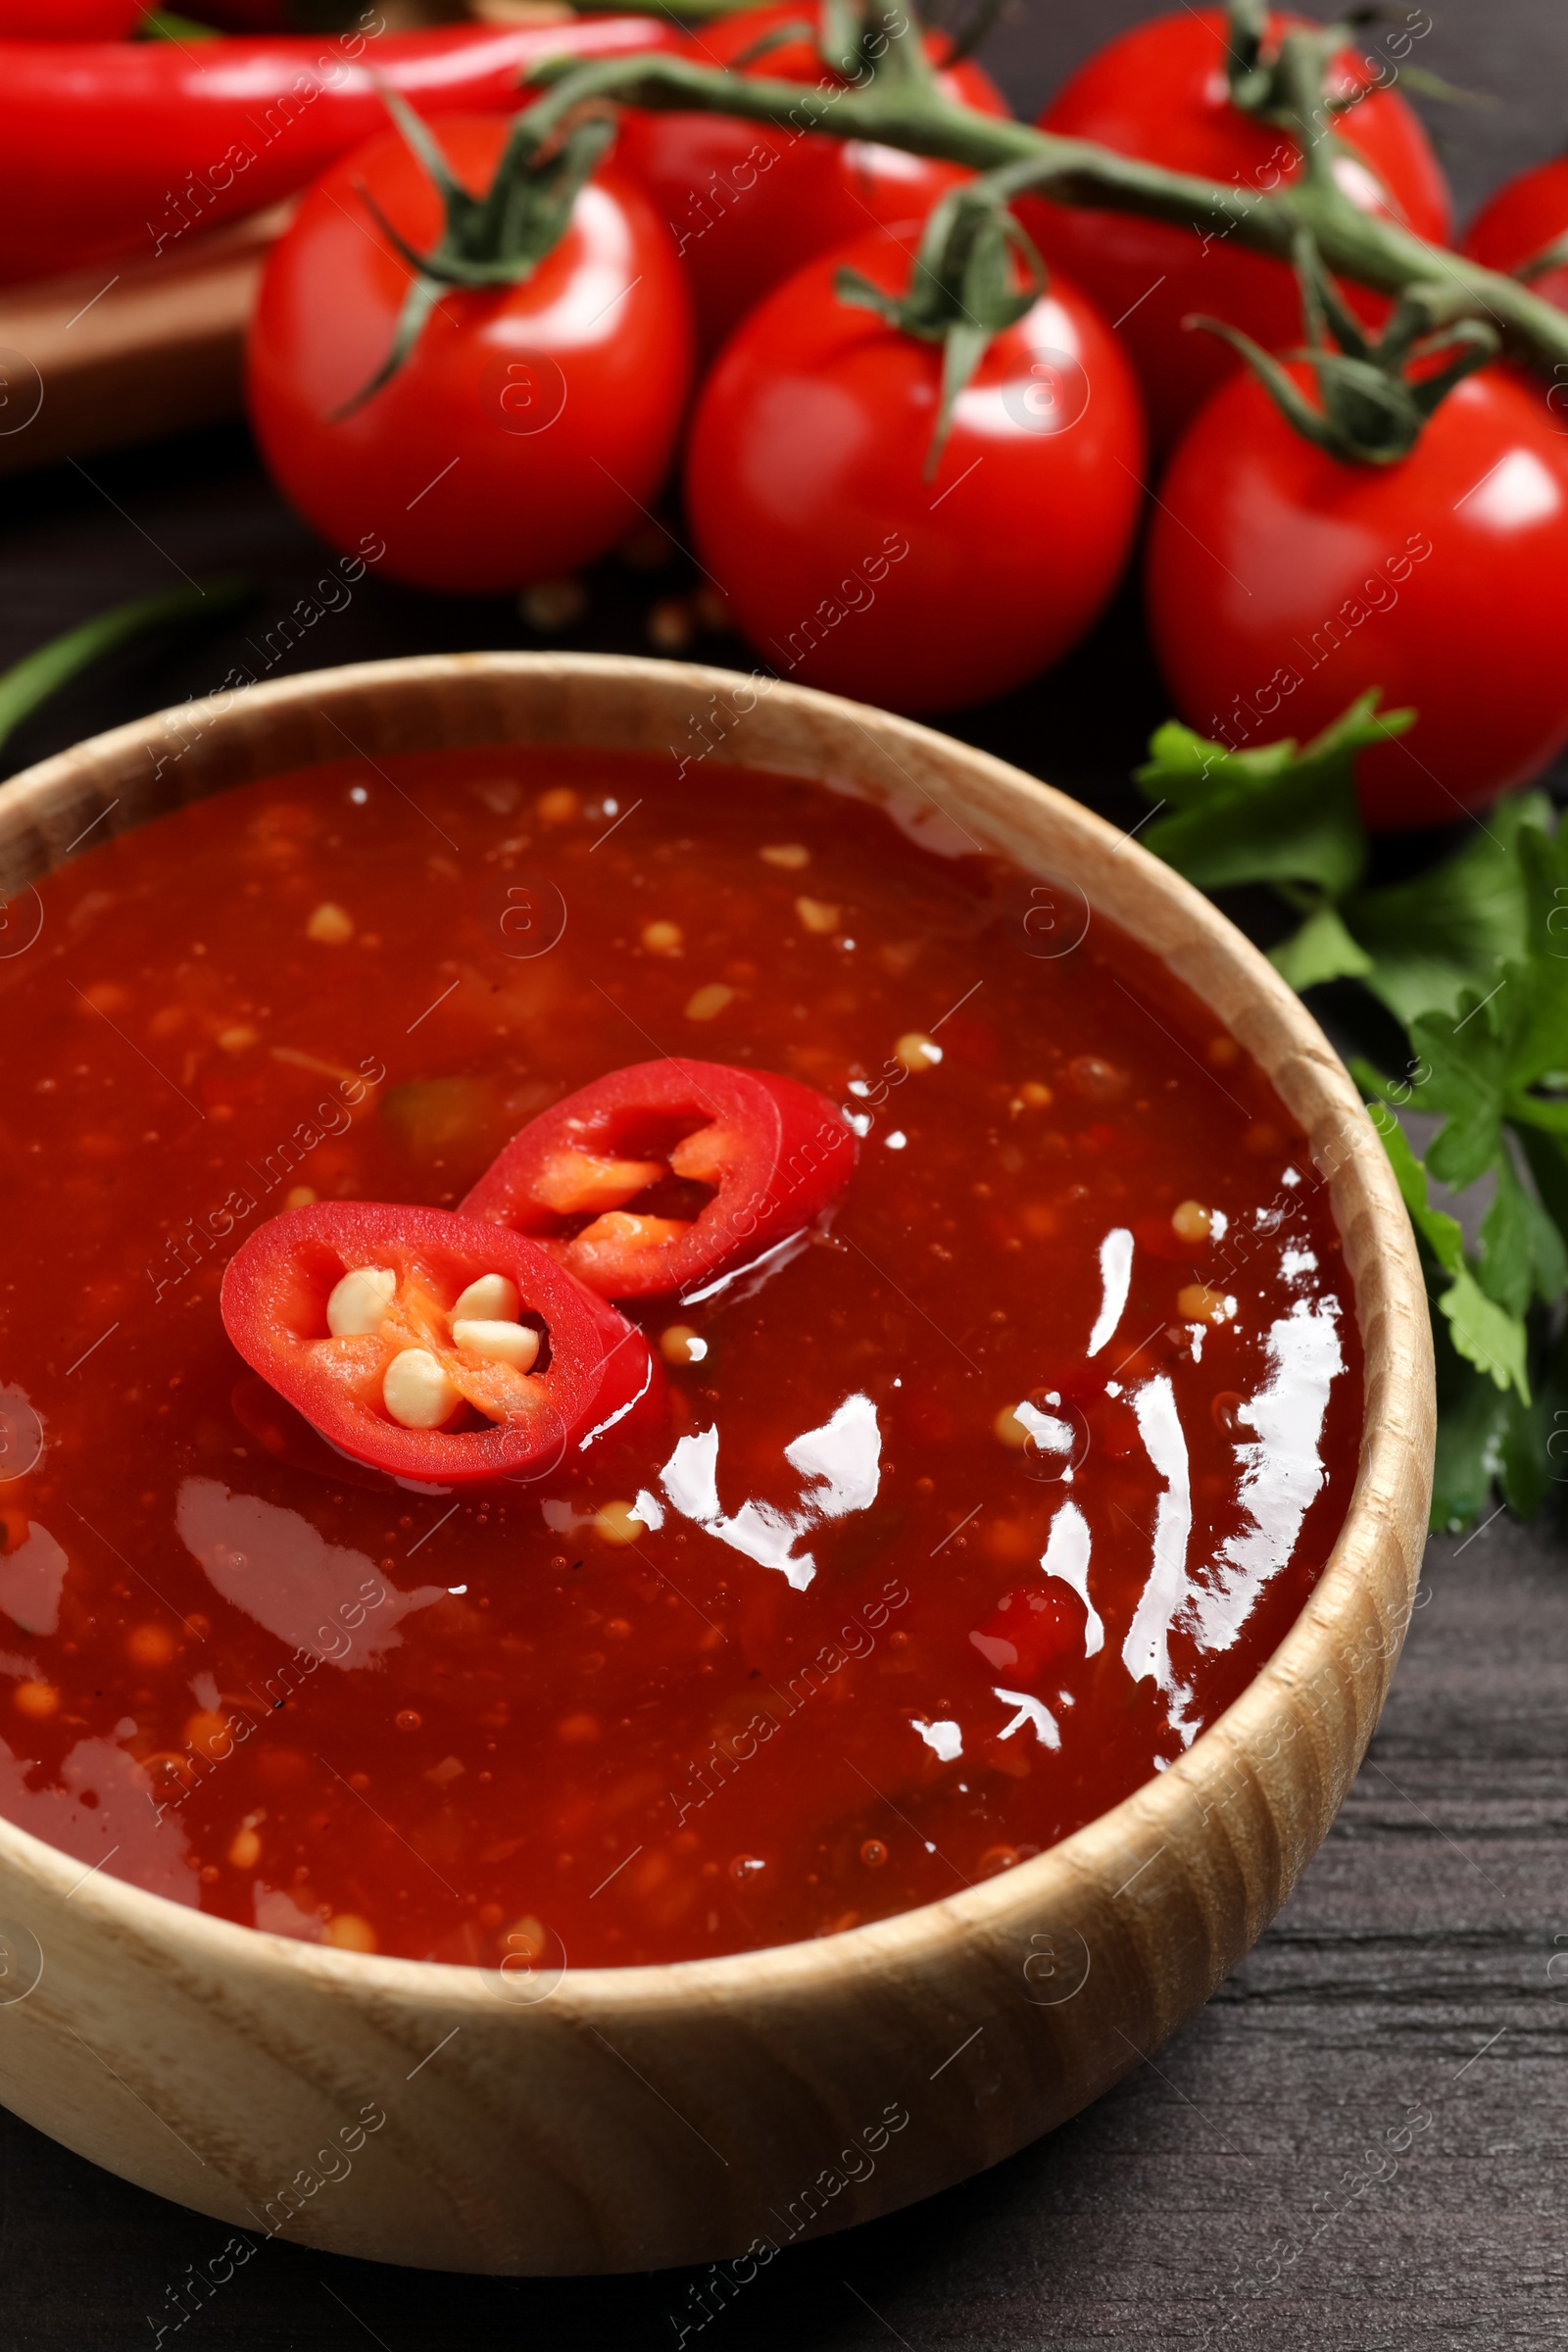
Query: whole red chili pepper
pixel 69 20
pixel 114 149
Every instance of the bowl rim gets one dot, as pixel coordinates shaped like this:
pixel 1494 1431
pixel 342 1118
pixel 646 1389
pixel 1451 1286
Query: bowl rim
pixel 1152 1815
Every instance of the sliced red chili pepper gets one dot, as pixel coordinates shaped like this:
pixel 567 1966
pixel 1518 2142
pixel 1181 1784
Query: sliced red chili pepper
pixel 425 1345
pixel 670 1175
pixel 290 1439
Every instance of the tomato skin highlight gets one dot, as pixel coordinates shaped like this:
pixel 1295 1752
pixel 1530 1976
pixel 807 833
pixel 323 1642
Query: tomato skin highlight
pixel 1526 214
pixel 1283 582
pixel 1160 91
pixel 527 427
pixel 594 1370
pixel 848 569
pixel 108 148
pixel 781 1153
pixel 748 204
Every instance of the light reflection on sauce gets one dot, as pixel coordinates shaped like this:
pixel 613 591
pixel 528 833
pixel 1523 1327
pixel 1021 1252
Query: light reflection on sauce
pixel 840 1464
pixel 1282 1467
pixel 270 1562
pixel 102 1808
pixel 32 1578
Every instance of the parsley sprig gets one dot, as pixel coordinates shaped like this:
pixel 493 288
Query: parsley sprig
pixel 1469 961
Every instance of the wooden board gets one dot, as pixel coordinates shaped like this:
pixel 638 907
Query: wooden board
pixel 110 357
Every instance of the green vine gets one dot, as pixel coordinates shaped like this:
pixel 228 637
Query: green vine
pixel 903 109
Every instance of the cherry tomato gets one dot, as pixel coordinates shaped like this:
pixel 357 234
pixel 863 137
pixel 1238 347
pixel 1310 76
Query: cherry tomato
pixel 842 564
pixel 1283 582
pixel 529 424
pixel 1526 214
pixel 1160 91
pixel 748 204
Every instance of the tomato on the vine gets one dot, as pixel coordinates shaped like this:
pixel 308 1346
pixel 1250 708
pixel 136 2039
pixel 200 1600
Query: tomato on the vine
pixel 1524 217
pixel 748 203
pixel 844 566
pixel 1283 582
pixel 1161 92
pixel 527 426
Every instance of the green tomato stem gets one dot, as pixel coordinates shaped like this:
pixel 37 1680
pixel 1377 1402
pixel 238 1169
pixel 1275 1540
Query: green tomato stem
pixel 38 675
pixel 1016 159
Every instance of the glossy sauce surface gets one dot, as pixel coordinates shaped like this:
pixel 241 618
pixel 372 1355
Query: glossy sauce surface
pixel 963 1514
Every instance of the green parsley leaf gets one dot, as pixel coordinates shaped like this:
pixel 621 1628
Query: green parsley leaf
pixel 1525 1462
pixel 1461 1068
pixel 1548 1161
pixel 1522 1253
pixel 1472 1420
pixel 1487 1331
pixel 1275 813
pixel 1456 925
pixel 1539 1049
pixel 1471 959
pixel 1444 1234
pixel 1322 949
pixel 1485 1335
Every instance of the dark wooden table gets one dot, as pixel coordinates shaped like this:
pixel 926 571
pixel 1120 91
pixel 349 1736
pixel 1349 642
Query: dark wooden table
pixel 1358 2143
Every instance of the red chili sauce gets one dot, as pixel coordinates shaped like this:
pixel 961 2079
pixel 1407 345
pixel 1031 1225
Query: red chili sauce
pixel 963 1514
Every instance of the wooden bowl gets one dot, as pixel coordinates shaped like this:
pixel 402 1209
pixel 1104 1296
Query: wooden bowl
pixel 620 2119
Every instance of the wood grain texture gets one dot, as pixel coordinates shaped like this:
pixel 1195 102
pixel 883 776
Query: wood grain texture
pixel 652 2115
